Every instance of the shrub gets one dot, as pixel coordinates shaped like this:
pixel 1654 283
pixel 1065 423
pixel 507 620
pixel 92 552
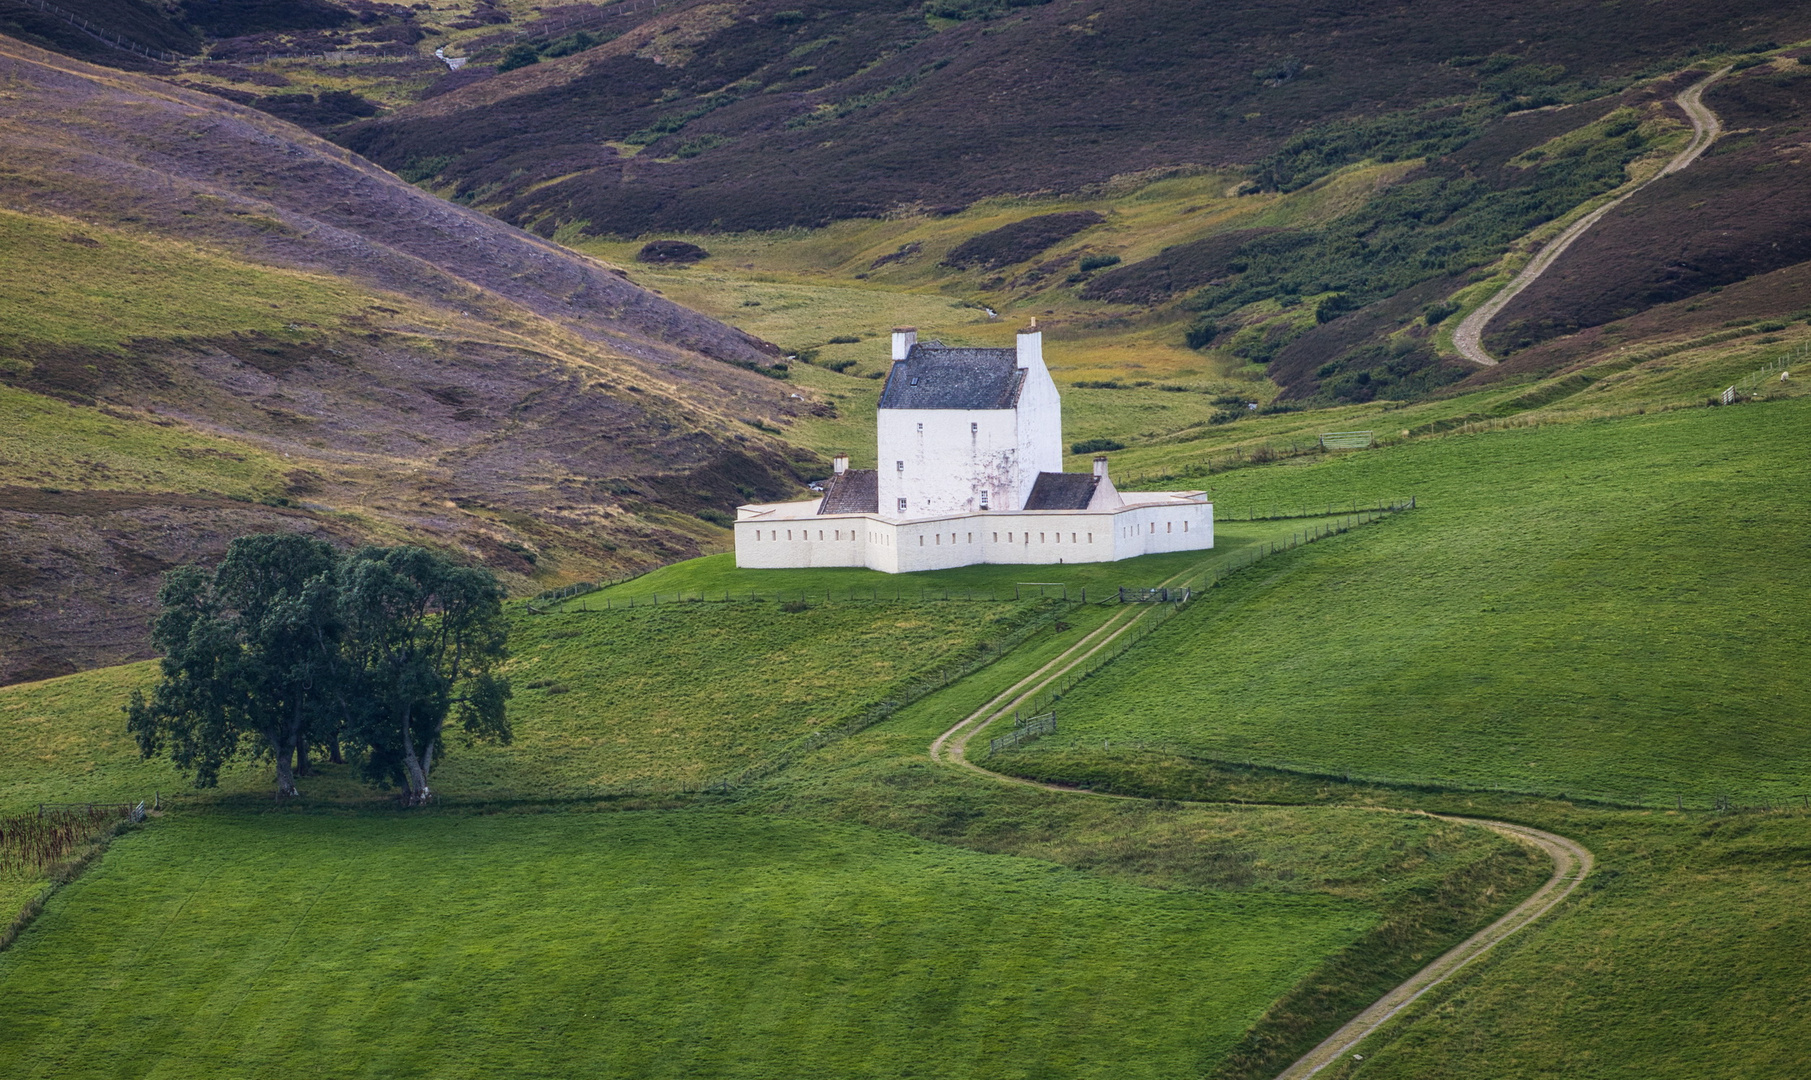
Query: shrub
pixel 670 251
pixel 844 339
pixel 795 606
pixel 1095 446
pixel 1098 384
pixel 1438 312
pixel 1019 241
pixel 519 55
pixel 840 365
pixel 1201 335
pixel 716 517
pixel 1096 262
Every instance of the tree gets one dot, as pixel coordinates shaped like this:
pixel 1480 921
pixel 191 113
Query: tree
pixel 423 637
pixel 249 654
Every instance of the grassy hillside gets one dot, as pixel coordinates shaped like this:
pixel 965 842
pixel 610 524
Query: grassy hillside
pixel 659 944
pixel 228 352
pixel 1603 609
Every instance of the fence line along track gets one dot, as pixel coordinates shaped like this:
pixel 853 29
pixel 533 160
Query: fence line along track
pixel 1572 862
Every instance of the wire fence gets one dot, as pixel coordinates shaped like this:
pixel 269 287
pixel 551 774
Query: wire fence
pixel 1779 369
pixel 1046 698
pixel 1719 798
pixel 899 593
pixel 986 653
pixel 102 34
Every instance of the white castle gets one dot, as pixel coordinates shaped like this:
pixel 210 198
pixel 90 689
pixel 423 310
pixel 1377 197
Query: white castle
pixel 971 471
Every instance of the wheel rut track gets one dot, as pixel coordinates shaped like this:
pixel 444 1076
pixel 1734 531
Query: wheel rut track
pixel 1469 337
pixel 1572 862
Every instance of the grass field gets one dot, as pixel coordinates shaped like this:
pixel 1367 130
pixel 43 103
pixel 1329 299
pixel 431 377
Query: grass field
pixel 645 944
pixel 1607 609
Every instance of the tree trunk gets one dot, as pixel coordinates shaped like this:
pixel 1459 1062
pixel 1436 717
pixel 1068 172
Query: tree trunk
pixel 286 782
pixel 418 779
pixel 333 748
pixel 302 768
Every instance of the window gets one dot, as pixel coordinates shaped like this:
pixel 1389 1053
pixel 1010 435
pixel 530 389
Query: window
pixel 1185 526
pixel 820 534
pixel 984 500
pixel 1153 526
pixel 1090 538
pixel 899 466
pixel 921 541
pixel 939 539
pixel 1040 538
pixel 1169 526
pixel 788 534
pixel 974 429
pixel 921 429
pixel 902 506
pixel 971 538
pixel 1072 538
pixel 1009 538
pixel 996 538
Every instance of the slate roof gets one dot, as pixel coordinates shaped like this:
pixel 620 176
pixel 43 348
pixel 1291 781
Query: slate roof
pixel 1062 491
pixel 853 491
pixel 939 377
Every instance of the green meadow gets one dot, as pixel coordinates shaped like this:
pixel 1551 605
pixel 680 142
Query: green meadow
pixel 642 944
pixel 1610 609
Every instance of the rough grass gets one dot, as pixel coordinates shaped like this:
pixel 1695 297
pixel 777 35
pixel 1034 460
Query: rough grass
pixel 71 284
pixel 1607 609
pixel 46 442
pixel 649 944
pixel 681 695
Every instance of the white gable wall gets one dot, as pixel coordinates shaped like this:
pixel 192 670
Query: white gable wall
pixel 941 460
pixel 1040 416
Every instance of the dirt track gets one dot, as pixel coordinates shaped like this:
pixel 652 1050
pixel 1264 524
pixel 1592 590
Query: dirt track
pixel 1469 337
pixel 1572 862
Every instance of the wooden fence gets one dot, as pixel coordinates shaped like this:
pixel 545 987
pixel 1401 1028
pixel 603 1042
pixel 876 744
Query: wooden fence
pixel 1023 731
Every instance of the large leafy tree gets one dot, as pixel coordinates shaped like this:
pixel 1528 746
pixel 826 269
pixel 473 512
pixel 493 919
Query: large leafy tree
pixel 422 640
pixel 250 654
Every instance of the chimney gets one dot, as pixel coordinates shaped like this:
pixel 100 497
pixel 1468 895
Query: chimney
pixel 840 464
pixel 904 337
pixel 1031 347
pixel 1100 465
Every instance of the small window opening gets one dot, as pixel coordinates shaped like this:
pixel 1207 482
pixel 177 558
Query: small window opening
pixel 902 506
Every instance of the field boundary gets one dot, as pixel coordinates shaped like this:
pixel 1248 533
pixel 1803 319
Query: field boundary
pixel 1572 862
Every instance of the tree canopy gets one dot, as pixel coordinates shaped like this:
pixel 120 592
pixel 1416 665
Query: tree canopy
pixel 289 644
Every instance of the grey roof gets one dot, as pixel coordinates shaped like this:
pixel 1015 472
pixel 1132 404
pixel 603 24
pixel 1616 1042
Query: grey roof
pixel 853 491
pixel 938 377
pixel 1062 491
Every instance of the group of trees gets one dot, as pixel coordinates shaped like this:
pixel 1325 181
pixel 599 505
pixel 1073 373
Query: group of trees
pixel 291 647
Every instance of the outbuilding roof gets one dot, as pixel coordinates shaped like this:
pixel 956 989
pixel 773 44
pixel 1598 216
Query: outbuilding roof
pixel 940 377
pixel 1062 491
pixel 852 491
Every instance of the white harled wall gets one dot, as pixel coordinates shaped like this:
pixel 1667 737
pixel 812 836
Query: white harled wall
pixel 941 460
pixel 939 543
pixel 1040 418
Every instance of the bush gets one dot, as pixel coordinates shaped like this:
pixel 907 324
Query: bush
pixel 1201 335
pixel 1438 312
pixel 716 517
pixel 1019 241
pixel 795 606
pixel 670 251
pixel 1095 446
pixel 840 365
pixel 1096 262
pixel 845 339
pixel 519 55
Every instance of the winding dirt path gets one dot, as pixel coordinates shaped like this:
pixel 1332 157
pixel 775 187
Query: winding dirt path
pixel 1572 862
pixel 1469 337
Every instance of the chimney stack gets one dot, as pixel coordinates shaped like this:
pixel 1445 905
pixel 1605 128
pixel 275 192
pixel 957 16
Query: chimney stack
pixel 1100 465
pixel 1031 347
pixel 840 464
pixel 904 337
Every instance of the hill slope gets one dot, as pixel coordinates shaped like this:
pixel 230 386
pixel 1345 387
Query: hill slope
pixel 711 114
pixel 203 301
